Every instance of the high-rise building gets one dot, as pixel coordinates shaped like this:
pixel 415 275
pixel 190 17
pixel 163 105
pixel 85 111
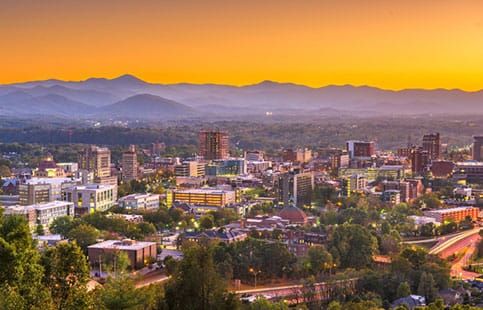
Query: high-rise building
pixel 419 160
pixel 213 144
pixel 295 186
pixel 97 160
pixel 432 145
pixel 360 149
pixel 130 164
pixel 478 148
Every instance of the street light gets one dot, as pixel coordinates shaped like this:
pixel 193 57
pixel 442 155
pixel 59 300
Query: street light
pixel 255 273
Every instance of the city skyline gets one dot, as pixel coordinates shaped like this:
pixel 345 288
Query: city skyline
pixel 385 45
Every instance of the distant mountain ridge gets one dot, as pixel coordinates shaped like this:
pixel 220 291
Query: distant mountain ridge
pixel 101 97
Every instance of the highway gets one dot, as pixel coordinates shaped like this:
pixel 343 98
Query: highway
pixel 454 243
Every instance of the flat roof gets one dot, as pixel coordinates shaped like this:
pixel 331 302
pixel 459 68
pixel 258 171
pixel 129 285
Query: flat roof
pixel 204 191
pixel 121 245
pixel 452 209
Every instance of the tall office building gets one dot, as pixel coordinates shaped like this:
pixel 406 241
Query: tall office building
pixel 213 144
pixel 360 149
pixel 296 186
pixel 478 148
pixel 130 164
pixel 96 160
pixel 30 194
pixel 432 145
pixel 419 160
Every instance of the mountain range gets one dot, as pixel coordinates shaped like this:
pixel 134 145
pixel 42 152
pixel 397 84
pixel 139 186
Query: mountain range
pixel 128 97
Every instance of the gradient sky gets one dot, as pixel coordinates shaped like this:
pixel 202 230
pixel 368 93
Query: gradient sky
pixel 390 44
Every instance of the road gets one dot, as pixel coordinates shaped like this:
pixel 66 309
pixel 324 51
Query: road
pixel 294 294
pixel 457 270
pixel 157 276
pixel 465 243
pixel 454 243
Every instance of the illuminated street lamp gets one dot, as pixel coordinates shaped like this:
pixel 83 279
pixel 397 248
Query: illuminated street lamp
pixel 255 273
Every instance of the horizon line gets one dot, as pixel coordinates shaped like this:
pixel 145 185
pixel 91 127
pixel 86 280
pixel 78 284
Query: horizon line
pixel 240 85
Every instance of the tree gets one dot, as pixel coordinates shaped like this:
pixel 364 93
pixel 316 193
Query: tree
pixel 196 284
pixel 207 222
pixel 318 260
pixel 427 287
pixel 85 235
pixel 66 274
pixel 352 245
pixel 119 293
pixel 62 225
pixel 40 230
pixel 20 269
pixel 403 290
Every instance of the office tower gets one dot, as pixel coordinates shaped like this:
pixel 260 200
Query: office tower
pixel 34 193
pixel 478 148
pixel 296 186
pixel 213 144
pixel 97 160
pixel 360 149
pixel 419 160
pixel 432 145
pixel 130 164
pixel 190 169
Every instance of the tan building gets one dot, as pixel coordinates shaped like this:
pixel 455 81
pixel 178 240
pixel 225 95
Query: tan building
pixel 97 160
pixel 139 253
pixel 130 164
pixel 30 194
pixel 190 169
pixel 205 197
pixel 213 144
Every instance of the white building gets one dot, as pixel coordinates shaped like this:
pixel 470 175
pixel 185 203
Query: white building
pixel 90 198
pixel 139 201
pixel 42 214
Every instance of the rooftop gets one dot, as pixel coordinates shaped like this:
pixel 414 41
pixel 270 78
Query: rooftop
pixel 452 209
pixel 126 244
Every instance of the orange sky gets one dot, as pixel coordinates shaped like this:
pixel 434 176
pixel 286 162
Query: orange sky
pixel 423 43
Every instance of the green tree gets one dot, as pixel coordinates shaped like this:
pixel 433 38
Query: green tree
pixel 403 290
pixel 207 221
pixel 352 245
pixel 20 269
pixel 318 260
pixel 196 284
pixel 119 293
pixel 85 235
pixel 39 230
pixel 427 287
pixel 62 225
pixel 66 274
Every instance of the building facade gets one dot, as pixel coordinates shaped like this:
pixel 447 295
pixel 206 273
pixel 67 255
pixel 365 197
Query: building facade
pixel 139 201
pixel 90 198
pixel 129 164
pixel 213 144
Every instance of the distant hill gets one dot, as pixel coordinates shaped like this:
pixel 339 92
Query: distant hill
pixel 145 106
pixel 119 95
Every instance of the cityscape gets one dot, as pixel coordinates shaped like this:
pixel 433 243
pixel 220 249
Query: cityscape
pixel 253 155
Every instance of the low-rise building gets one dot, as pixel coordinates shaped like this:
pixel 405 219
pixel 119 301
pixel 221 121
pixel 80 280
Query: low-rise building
pixel 453 214
pixel 139 201
pixel 140 253
pixel 42 214
pixel 205 197
pixel 90 198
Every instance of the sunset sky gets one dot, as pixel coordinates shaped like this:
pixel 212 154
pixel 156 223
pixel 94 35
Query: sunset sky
pixel 389 44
